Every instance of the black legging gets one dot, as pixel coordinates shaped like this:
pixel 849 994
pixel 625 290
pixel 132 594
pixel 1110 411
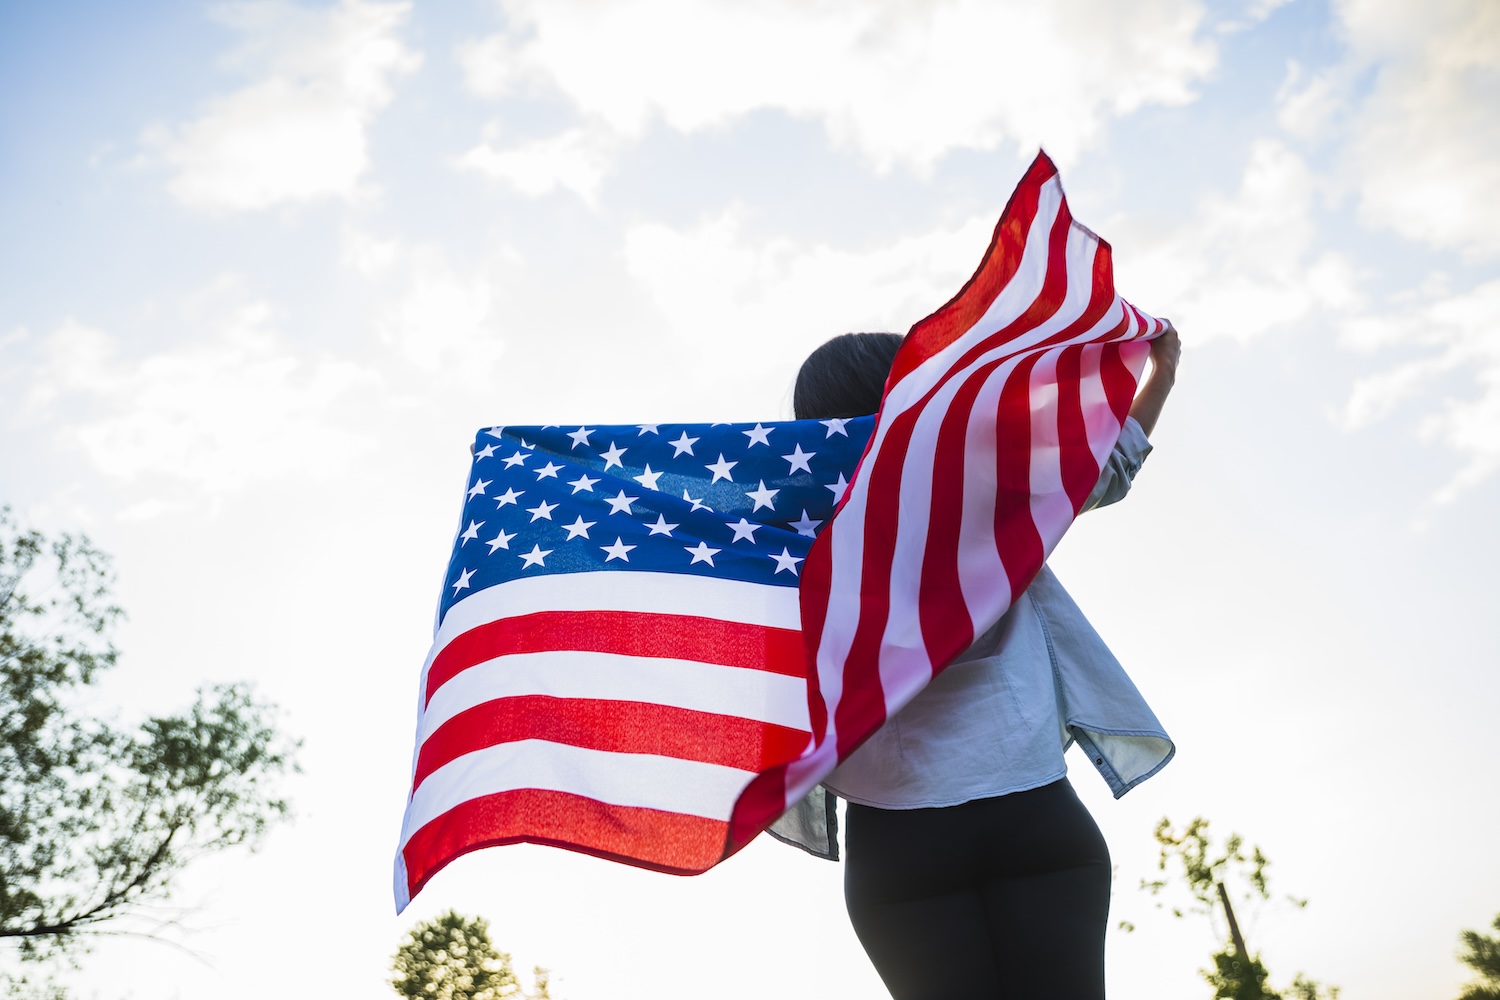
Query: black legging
pixel 997 898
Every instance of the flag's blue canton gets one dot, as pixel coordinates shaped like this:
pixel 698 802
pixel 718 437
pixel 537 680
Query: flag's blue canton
pixel 740 501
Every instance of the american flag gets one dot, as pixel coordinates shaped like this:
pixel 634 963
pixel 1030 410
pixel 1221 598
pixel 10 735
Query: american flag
pixel 617 651
pixel 641 652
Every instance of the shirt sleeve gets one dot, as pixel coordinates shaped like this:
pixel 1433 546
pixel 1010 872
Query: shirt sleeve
pixel 1120 467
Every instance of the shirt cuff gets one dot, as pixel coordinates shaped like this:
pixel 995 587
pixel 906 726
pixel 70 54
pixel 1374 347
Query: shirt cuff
pixel 1133 442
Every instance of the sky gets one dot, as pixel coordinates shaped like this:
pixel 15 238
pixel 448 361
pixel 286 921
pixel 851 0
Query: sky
pixel 265 267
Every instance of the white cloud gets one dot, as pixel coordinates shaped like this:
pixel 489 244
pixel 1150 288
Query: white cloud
pixel 1412 107
pixel 434 317
pixel 1254 12
pixel 299 133
pixel 236 406
pixel 1457 336
pixel 1243 264
pixel 901 82
pixel 576 160
pixel 725 292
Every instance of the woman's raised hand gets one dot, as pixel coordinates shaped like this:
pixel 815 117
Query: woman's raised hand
pixel 1166 351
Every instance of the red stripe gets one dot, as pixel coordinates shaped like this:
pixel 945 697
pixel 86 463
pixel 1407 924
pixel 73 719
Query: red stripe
pixel 1001 259
pixel 1016 538
pixel 813 598
pixel 616 726
pixel 861 707
pixel 1077 466
pixel 648 838
pixel 1056 281
pixel 947 628
pixel 757 808
pixel 625 633
pixel 1119 376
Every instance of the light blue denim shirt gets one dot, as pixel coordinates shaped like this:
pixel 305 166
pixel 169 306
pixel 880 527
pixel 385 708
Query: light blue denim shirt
pixel 1000 717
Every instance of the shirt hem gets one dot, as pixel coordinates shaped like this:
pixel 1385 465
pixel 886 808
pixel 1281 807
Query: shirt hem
pixel 1025 786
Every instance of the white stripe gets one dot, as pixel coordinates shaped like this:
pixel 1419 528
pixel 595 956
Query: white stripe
pixel 1099 421
pixel 656 593
pixel 401 880
pixel 1050 509
pixel 982 579
pixel 701 687
pixel 643 780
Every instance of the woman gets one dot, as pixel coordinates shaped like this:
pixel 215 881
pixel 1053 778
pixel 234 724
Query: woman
pixel 973 870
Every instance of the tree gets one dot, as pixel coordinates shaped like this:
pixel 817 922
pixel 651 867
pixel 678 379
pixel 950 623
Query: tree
pixel 1205 871
pixel 450 957
pixel 96 821
pixel 1482 954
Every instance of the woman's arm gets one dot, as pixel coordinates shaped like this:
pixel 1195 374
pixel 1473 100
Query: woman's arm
pixel 1166 351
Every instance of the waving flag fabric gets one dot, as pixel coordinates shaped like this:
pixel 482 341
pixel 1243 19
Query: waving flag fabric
pixel 617 651
pixel 641 652
pixel 999 412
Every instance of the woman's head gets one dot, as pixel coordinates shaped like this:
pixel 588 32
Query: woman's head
pixel 845 377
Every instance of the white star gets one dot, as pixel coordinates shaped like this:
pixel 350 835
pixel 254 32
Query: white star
pixel 463 581
pixel 549 471
pixel 720 469
pixel 744 529
pixel 620 502
pixel 495 431
pixel 527 444
pixel 835 426
pixel 509 496
pixel 762 497
pixel 648 478
pixel 786 561
pixel 501 541
pixel 578 528
pixel 478 488
pixel 701 553
pixel 698 504
pixel 799 458
pixel 838 488
pixel 471 533
pixel 541 510
pixel 757 435
pixel 618 550
pixel 806 525
pixel 612 457
pixel 487 451
pixel 519 458
pixel 661 527
pixel 580 436
pixel 535 557
pixel 645 429
pixel 583 482
pixel 682 445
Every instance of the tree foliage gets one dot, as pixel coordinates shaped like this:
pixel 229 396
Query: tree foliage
pixel 1212 875
pixel 96 820
pixel 1482 954
pixel 450 957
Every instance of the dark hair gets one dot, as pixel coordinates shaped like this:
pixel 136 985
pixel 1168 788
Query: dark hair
pixel 845 377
